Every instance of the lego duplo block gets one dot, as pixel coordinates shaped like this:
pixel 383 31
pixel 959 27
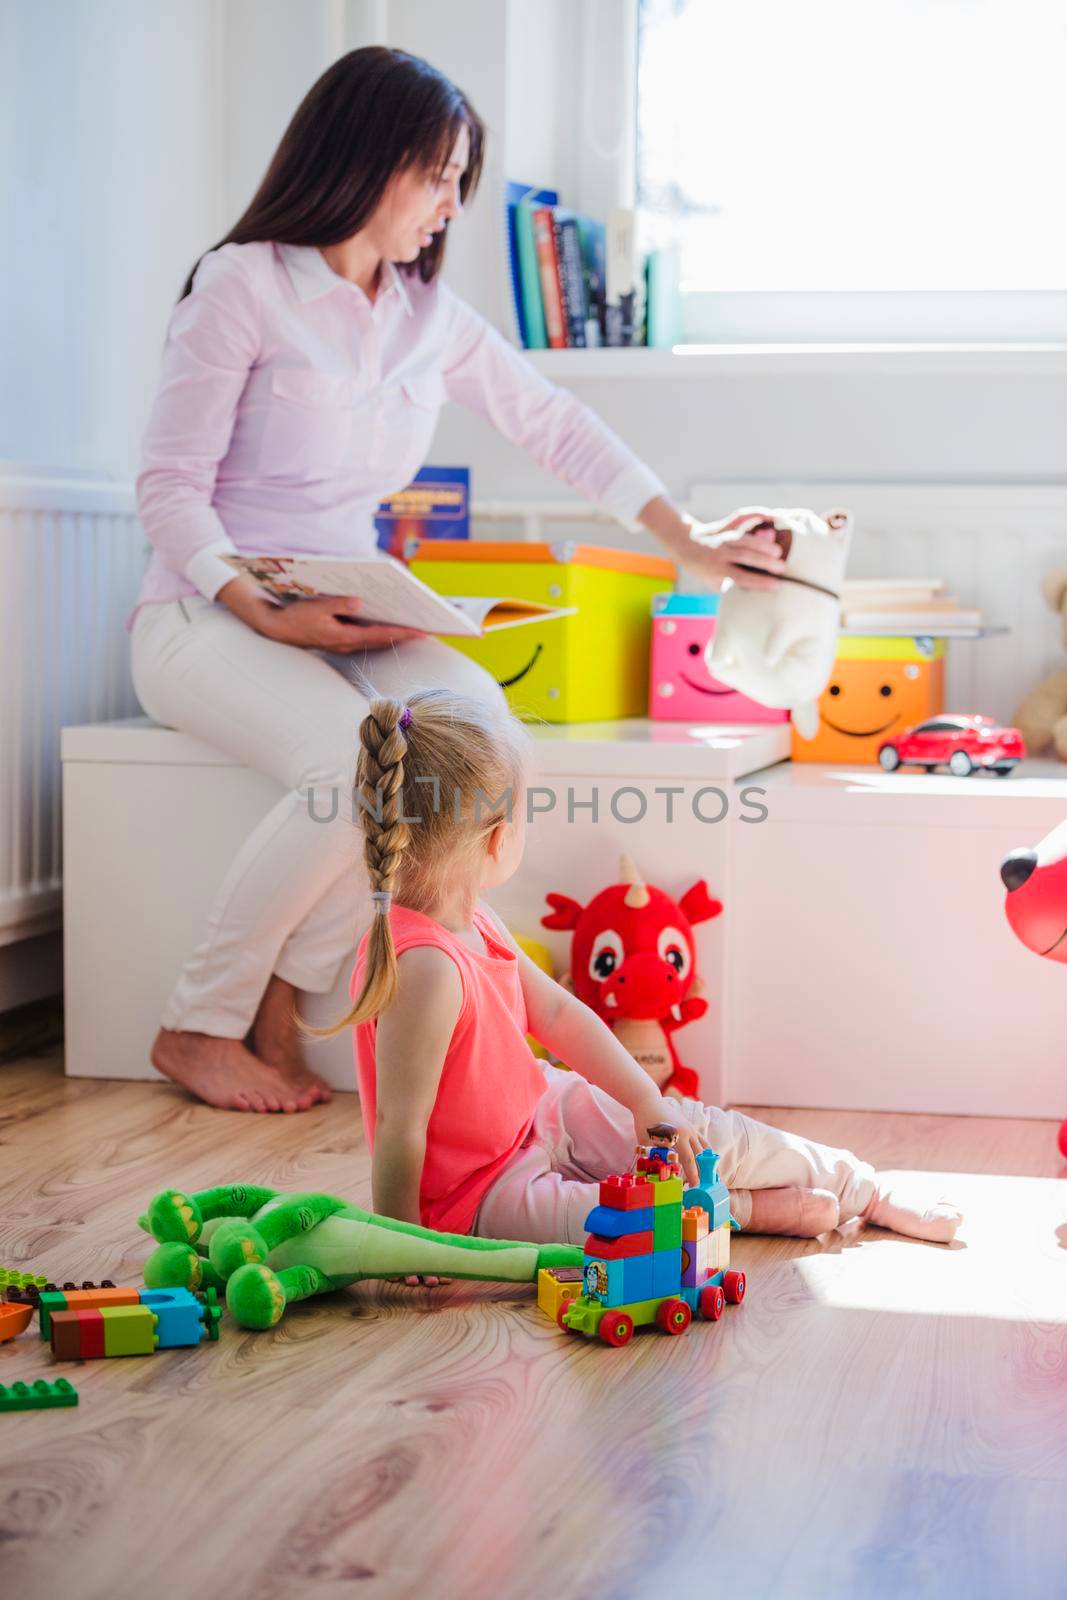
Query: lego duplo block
pixel 720 1214
pixel 719 1249
pixel 667 1192
pixel 591 666
pixel 180 1316
pixel 694 1222
pixel 637 1278
pixel 555 1285
pixel 626 1192
pixel 14 1319
pixel 129 1331
pixel 612 1224
pixel 66 1336
pixel 605 1280
pixel 696 1260
pixel 39 1396
pixel 82 1300
pixel 626 1245
pixel 667 1228
pixel 871 698
pixel 11 1279
pixel 681 688
pixel 653 1167
pixel 666 1271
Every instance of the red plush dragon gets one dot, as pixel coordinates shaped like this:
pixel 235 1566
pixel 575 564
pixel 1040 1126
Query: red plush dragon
pixel 633 959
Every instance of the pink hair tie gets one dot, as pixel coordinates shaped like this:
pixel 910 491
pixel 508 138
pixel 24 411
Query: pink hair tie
pixel 404 720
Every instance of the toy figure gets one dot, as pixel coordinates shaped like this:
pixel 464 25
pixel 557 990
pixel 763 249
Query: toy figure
pixel 633 961
pixel 664 1137
pixel 778 645
pixel 267 1249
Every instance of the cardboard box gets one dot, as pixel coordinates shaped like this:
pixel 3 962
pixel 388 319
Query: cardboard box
pixel 681 689
pixel 879 687
pixel 590 667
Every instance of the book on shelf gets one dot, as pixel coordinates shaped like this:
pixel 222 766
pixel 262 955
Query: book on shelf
pixel 558 269
pixel 435 505
pixel 390 593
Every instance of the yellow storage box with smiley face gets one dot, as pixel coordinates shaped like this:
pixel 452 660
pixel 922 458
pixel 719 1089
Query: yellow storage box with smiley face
pixel 589 667
pixel 879 687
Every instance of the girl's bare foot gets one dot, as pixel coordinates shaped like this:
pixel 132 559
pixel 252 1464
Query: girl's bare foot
pixel 907 1204
pixel 222 1072
pixel 276 1042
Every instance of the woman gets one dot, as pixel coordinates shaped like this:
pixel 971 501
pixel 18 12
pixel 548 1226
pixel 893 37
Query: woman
pixel 304 369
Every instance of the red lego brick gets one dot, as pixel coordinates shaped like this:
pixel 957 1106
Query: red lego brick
pixel 630 1244
pixel 91 1328
pixel 625 1192
pixel 655 1168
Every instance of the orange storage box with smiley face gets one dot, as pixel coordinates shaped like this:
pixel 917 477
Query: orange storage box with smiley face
pixel 589 667
pixel 879 687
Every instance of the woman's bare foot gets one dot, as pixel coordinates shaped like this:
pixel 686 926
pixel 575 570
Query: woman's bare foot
pixel 276 1042
pixel 222 1072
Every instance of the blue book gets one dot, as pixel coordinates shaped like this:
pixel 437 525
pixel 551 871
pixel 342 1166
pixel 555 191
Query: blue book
pixel 436 505
pixel 522 260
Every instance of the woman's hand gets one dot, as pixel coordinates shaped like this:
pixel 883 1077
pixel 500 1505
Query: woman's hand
pixel 690 1140
pixel 313 624
pixel 712 552
pixel 725 551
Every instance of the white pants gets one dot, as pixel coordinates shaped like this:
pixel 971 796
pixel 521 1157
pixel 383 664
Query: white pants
pixel 294 900
pixel 581 1135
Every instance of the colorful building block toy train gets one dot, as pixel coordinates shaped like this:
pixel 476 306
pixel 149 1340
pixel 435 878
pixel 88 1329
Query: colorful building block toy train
pixel 655 1254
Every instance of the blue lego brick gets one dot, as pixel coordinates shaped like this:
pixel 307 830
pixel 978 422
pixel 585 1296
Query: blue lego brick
pixel 613 1223
pixel 637 1278
pixel 180 1314
pixel 666 1271
pixel 615 1272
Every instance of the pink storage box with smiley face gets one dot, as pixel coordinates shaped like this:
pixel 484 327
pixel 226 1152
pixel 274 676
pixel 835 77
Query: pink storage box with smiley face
pixel 680 687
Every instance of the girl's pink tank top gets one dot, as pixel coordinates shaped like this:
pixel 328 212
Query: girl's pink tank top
pixel 490 1085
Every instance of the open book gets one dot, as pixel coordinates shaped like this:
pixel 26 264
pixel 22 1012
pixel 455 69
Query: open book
pixel 391 593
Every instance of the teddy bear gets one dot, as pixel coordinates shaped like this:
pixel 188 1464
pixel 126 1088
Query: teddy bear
pixel 1042 717
pixel 778 646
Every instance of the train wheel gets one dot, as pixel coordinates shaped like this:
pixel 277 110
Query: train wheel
pixel 712 1302
pixel 617 1328
pixel 674 1316
pixel 733 1286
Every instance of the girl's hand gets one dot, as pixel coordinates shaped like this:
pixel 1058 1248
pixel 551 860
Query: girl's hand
pixel 320 624
pixel 690 1140
pixel 724 550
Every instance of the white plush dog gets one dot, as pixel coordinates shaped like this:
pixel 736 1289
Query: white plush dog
pixel 779 645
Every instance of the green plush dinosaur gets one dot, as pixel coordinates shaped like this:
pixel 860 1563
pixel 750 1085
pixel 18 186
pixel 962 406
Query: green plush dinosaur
pixel 267 1249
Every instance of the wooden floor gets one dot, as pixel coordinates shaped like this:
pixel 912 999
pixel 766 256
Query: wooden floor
pixel 879 1418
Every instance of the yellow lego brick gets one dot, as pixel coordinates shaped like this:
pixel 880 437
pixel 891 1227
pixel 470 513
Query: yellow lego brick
pixel 666 1191
pixel 555 1285
pixel 851 647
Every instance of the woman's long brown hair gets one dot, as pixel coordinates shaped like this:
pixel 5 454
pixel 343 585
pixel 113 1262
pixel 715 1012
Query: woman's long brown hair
pixel 374 113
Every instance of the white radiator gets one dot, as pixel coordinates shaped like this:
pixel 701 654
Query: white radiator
pixel 71 559
pixel 991 545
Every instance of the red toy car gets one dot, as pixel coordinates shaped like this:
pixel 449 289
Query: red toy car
pixel 962 744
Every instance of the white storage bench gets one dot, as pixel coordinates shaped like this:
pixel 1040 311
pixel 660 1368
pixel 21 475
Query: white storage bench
pixel 152 818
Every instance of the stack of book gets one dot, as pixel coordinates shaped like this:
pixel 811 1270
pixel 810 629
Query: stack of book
pixel 575 281
pixel 903 606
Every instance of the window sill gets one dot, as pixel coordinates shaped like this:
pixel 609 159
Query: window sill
pixel 806 360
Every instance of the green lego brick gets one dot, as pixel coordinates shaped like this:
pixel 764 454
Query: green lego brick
pixel 129 1330
pixel 213 1312
pixel 666 1228
pixel 10 1279
pixel 39 1396
pixel 667 1192
pixel 51 1300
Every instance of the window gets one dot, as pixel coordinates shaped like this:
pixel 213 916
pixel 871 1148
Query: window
pixel 857 170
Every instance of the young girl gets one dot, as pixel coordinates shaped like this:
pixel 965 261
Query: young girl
pixel 468 1131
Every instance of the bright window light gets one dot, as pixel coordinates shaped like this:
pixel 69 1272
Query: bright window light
pixel 855 145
